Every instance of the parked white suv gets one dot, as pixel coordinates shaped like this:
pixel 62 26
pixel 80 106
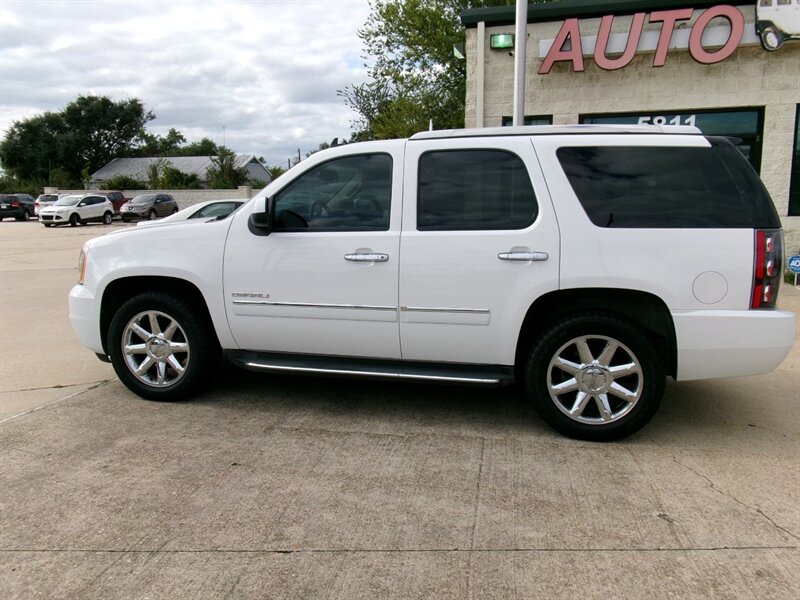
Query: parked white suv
pixel 587 262
pixel 77 209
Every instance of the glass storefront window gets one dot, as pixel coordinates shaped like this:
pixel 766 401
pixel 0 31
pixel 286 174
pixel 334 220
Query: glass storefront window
pixel 529 120
pixel 794 187
pixel 745 125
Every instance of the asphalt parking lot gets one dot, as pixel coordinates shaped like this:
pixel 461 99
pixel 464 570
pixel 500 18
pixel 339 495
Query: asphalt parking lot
pixel 294 487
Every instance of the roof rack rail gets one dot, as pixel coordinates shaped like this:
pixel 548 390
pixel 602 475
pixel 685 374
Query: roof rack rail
pixel 555 130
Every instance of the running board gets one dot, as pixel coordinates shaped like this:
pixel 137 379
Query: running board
pixel 330 366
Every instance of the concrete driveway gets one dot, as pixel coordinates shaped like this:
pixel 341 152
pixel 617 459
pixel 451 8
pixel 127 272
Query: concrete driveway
pixel 294 487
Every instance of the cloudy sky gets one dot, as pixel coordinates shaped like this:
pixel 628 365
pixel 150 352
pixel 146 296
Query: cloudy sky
pixel 261 73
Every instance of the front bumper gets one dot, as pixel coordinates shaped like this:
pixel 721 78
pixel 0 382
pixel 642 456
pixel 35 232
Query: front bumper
pixel 729 343
pixel 128 215
pixel 84 314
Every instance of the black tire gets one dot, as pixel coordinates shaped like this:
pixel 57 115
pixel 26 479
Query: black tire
pixel 108 218
pixel 152 216
pixel 24 217
pixel 607 343
pixel 771 38
pixel 194 330
pixel 174 210
pixel 74 220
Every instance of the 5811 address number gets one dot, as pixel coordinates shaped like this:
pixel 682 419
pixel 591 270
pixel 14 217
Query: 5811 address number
pixel 668 120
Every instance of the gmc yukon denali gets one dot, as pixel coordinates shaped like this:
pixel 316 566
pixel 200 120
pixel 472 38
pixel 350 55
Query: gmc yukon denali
pixel 587 263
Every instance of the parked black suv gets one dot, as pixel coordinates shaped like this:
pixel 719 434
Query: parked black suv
pixel 19 206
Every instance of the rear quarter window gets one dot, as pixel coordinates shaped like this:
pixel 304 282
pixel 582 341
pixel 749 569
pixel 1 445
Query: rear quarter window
pixel 668 187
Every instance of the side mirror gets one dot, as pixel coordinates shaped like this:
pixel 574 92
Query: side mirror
pixel 263 216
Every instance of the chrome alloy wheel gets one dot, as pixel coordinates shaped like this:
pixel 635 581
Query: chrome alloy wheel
pixel 595 379
pixel 155 348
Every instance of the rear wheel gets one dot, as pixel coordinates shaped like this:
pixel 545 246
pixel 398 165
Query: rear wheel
pixel 108 218
pixel 24 217
pixel 161 348
pixel 74 220
pixel 594 377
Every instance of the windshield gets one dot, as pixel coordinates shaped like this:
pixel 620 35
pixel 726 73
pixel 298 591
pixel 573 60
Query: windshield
pixel 143 199
pixel 68 201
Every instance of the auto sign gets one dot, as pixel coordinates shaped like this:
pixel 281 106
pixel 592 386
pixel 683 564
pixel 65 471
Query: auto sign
pixel 794 263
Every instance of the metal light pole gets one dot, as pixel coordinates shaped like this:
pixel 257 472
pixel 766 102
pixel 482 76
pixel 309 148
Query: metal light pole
pixel 520 54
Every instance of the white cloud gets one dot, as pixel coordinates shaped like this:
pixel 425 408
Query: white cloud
pixel 265 70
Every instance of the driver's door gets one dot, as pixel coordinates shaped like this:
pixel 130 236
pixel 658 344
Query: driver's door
pixel 324 281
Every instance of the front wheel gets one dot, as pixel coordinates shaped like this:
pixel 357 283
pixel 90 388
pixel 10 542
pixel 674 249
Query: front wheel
pixel 151 216
pixel 594 377
pixel 771 38
pixel 161 348
pixel 74 220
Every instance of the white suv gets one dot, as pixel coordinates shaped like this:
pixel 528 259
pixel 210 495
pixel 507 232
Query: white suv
pixel 77 209
pixel 587 262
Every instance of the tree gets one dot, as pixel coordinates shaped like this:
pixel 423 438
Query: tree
pixel 156 145
pixel 223 172
pixel 276 171
pixel 83 137
pixel 415 76
pixel 204 147
pixel 123 182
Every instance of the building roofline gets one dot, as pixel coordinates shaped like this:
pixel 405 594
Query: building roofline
pixel 557 11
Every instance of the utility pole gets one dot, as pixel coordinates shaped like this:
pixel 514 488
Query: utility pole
pixel 520 54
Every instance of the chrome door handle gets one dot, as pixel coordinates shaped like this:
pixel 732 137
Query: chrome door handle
pixel 367 257
pixel 523 255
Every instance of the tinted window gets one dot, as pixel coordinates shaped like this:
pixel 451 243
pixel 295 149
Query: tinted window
pixel 660 187
pixel 794 189
pixel 345 194
pixel 744 125
pixel 215 210
pixel 474 189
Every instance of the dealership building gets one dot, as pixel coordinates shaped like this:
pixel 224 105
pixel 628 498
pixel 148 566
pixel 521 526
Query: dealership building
pixel 730 69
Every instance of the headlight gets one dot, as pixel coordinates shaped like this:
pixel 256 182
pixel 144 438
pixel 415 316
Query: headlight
pixel 82 266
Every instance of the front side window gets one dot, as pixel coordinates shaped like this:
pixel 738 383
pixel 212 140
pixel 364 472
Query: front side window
pixel 474 190
pixel 352 193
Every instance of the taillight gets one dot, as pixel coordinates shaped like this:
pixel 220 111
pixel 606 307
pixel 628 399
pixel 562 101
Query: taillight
pixel 767 268
pixel 15 203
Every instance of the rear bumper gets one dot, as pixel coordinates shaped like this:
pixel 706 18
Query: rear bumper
pixel 729 343
pixel 84 314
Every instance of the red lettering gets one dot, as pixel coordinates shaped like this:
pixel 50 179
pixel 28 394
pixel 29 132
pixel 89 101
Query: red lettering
pixel 601 47
pixel 668 18
pixel 570 32
pixel 734 17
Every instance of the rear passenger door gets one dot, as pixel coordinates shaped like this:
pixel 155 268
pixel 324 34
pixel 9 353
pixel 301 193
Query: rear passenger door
pixel 479 244
pixel 93 208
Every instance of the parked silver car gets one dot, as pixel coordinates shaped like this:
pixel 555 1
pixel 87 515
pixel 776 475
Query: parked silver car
pixel 148 206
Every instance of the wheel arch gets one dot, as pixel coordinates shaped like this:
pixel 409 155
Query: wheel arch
pixel 119 291
pixel 644 309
